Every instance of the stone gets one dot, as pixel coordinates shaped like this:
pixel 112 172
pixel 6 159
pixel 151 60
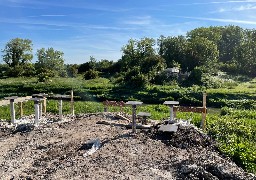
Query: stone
pixel 168 128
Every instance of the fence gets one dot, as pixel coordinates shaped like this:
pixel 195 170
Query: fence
pixel 202 110
pixel 39 104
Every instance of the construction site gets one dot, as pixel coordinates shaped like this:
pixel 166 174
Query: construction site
pixel 108 145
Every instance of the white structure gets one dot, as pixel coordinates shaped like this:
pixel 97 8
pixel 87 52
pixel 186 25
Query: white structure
pixel 173 70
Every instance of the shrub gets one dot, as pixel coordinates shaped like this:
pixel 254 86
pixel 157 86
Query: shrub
pixel 45 76
pixel 134 78
pixel 91 74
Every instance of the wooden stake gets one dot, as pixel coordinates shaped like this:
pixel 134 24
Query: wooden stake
pixel 72 103
pixel 44 105
pixel 174 113
pixel 21 108
pixel 203 123
pixel 134 118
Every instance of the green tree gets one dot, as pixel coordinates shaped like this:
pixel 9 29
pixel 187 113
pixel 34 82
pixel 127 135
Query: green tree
pixel 17 54
pixel 212 33
pixel 134 78
pixel 151 66
pixel 173 50
pixel 231 39
pixel 50 62
pixel 72 70
pixel 4 68
pixel 91 74
pixel 202 53
pixel 84 67
pixel 142 55
pixel 245 55
pixel 136 50
pixel 105 67
pixel 92 64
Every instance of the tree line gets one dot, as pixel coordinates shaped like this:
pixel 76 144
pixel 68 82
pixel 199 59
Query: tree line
pixel 17 56
pixel 198 55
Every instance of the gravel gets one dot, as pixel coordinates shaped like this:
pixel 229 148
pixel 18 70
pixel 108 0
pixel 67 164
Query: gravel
pixel 63 150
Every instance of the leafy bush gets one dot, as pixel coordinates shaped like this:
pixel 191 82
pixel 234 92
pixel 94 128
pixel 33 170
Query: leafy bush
pixel 235 133
pixel 45 76
pixel 91 74
pixel 134 78
pixel 195 77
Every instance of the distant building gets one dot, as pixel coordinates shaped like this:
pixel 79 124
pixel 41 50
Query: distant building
pixel 173 70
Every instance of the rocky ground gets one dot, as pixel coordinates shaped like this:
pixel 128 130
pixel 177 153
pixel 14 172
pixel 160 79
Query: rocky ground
pixel 63 150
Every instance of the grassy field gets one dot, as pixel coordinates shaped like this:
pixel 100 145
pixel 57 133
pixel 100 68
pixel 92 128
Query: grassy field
pixel 242 95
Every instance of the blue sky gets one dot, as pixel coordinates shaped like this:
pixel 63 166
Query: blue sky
pixel 99 28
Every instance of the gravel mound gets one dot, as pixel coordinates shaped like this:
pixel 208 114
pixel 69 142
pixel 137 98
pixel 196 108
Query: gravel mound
pixel 63 150
pixel 185 137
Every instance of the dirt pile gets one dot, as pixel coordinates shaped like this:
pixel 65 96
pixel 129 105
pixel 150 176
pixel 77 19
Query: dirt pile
pixel 59 150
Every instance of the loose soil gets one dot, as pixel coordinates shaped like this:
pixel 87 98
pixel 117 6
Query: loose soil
pixel 59 150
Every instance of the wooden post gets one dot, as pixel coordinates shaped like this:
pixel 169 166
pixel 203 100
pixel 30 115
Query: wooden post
pixel 174 112
pixel 44 105
pixel 121 103
pixel 105 109
pixel 72 103
pixel 105 106
pixel 203 123
pixel 134 118
pixel 21 108
pixel 60 98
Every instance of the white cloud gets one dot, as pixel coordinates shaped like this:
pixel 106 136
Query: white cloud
pixel 32 22
pixel 221 2
pixel 221 20
pixel 107 27
pixel 246 7
pixel 61 25
pixel 35 4
pixel 222 10
pixel 141 20
pixel 53 15
pixel 78 48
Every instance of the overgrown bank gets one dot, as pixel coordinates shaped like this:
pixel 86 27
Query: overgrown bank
pixel 102 89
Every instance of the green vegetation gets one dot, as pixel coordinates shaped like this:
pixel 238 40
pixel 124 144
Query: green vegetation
pixel 217 60
pixel 18 56
pixel 236 135
pixel 194 59
pixel 235 132
pixel 50 63
pixel 243 95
